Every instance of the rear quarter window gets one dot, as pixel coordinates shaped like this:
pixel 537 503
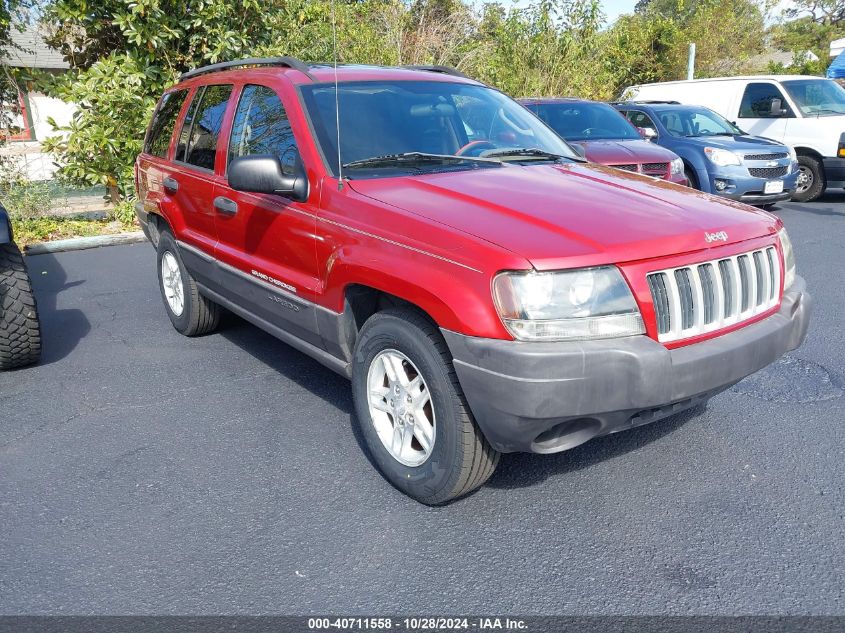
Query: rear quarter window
pixel 163 123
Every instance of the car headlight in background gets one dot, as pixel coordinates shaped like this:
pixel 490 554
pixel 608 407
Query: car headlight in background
pixel 677 166
pixel 788 258
pixel 722 157
pixel 589 303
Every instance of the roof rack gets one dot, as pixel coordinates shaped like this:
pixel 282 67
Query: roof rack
pixel 287 62
pixel 444 70
pixel 647 101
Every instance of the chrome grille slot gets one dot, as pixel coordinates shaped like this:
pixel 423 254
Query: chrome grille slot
pixel 657 285
pixel 711 295
pixel 705 273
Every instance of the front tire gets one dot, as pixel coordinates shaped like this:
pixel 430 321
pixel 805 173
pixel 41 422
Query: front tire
pixel 411 410
pixel 20 331
pixel 811 179
pixel 190 313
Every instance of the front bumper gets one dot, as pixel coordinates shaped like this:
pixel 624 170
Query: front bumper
pixel 757 198
pixel 549 397
pixel 834 172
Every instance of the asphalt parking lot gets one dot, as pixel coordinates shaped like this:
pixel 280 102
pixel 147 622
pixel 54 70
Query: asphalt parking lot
pixel 142 472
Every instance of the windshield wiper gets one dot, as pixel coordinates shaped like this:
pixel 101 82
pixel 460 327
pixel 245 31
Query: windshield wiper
pixel 417 158
pixel 819 110
pixel 527 152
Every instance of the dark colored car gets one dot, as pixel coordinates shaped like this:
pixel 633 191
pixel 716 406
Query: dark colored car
pixel 606 137
pixel 484 288
pixel 20 331
pixel 719 157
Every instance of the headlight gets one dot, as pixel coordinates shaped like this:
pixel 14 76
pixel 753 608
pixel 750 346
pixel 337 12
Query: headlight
pixel 792 155
pixel 788 259
pixel 589 303
pixel 677 166
pixel 722 157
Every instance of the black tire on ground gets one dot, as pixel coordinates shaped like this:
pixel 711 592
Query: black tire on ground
pixel 461 460
pixel 199 314
pixel 811 168
pixel 20 332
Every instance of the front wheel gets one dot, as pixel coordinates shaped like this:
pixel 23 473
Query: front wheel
pixel 411 410
pixel 811 180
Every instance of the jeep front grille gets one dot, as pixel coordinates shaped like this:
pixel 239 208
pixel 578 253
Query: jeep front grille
pixel 700 298
pixel 625 167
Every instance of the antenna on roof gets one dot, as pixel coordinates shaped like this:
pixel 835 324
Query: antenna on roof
pixel 336 101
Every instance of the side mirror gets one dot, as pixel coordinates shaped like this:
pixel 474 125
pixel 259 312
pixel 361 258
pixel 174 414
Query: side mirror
pixel 578 149
pixel 648 133
pixel 262 173
pixel 776 108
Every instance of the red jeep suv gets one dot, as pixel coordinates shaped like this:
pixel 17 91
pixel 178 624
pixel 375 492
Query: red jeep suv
pixel 429 238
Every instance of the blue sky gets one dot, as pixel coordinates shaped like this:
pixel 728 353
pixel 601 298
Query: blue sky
pixel 614 8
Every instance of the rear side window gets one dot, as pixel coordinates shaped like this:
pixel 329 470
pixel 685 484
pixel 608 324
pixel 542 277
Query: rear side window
pixel 202 126
pixel 262 127
pixel 757 101
pixel 164 122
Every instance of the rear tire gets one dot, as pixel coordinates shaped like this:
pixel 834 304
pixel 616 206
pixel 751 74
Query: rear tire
pixel 811 180
pixel 457 459
pixel 191 313
pixel 20 332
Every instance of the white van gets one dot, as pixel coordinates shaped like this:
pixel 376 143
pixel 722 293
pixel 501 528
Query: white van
pixel 805 112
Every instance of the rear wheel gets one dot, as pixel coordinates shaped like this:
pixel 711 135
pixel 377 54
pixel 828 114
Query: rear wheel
pixel 411 411
pixel 20 332
pixel 811 180
pixel 191 313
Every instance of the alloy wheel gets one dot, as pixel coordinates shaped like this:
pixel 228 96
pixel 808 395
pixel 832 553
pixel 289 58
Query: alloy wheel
pixel 401 407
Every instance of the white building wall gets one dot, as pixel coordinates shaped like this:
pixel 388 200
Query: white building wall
pixel 32 161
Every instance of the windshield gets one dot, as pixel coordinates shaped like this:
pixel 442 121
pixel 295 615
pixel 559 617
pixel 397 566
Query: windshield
pixel 693 122
pixel 817 97
pixel 419 126
pixel 579 121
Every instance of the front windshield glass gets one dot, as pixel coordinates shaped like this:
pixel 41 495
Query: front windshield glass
pixel 693 122
pixel 579 121
pixel 419 126
pixel 817 97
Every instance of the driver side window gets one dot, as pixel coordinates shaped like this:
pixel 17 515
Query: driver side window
pixel 261 126
pixel 758 99
pixel 640 119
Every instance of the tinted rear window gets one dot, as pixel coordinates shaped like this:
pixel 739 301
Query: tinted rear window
pixel 163 123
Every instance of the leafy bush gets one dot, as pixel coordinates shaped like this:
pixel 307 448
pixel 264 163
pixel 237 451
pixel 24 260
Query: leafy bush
pixel 123 54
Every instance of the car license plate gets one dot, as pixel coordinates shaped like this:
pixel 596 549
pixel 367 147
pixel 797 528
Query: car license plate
pixel 773 186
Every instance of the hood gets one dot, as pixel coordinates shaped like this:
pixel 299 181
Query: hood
pixel 740 143
pixel 625 152
pixel 553 214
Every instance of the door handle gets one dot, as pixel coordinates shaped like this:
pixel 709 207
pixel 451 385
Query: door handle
pixel 225 205
pixel 170 184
